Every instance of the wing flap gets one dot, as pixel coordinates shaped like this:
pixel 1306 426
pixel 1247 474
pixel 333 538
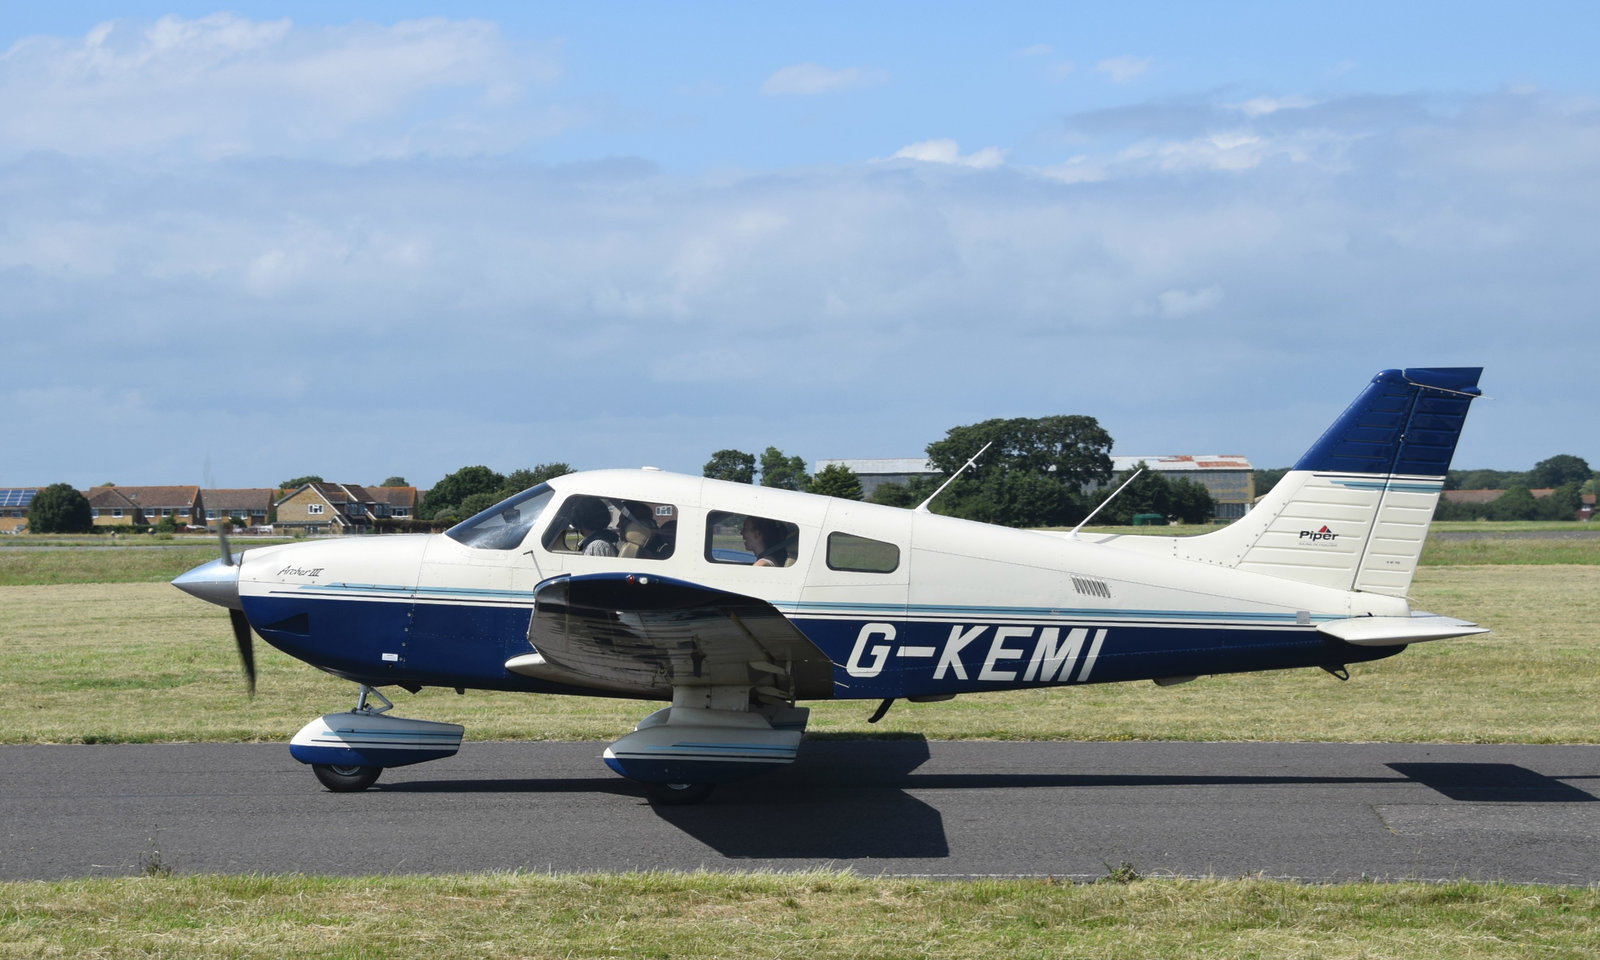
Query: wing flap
pixel 647 634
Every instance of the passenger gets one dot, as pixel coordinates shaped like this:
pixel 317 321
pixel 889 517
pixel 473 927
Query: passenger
pixel 592 520
pixel 764 538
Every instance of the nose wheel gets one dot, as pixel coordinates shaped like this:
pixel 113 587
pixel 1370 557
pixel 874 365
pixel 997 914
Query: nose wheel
pixel 345 779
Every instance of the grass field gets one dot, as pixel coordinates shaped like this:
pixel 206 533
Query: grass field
pixel 104 661
pixel 812 915
pixel 95 646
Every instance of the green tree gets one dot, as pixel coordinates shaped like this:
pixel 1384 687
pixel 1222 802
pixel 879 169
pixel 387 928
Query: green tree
pixel 476 503
pixel 1559 469
pixel 395 482
pixel 1033 475
pixel 904 494
pixel 733 465
pixel 1516 503
pixel 837 480
pixel 446 496
pixel 784 473
pixel 1181 499
pixel 60 508
pixel 1483 479
pixel 1562 504
pixel 1265 480
pixel 520 480
pixel 300 482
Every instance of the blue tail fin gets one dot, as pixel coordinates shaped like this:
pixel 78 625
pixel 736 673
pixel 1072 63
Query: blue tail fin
pixel 1354 511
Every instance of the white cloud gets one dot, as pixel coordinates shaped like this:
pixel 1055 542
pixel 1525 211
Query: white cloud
pixel 1036 50
pixel 1123 69
pixel 948 151
pixel 459 302
pixel 1263 106
pixel 1177 304
pixel 224 85
pixel 810 79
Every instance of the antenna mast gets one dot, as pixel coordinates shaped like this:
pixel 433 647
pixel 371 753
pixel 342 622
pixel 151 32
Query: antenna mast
pixel 1074 534
pixel 923 506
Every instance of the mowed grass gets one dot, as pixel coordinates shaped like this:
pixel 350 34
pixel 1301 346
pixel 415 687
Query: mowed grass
pixel 815 915
pixel 140 662
pixel 100 564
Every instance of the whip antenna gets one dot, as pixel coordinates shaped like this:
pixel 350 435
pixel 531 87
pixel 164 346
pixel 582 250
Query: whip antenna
pixel 923 506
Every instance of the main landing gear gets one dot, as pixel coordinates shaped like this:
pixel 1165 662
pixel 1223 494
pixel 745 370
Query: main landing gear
pixel 348 751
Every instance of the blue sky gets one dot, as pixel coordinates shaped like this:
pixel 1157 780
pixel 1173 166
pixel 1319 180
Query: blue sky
pixel 361 240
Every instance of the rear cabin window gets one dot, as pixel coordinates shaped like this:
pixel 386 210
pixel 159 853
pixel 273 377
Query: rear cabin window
pixel 613 527
pixel 846 551
pixel 750 540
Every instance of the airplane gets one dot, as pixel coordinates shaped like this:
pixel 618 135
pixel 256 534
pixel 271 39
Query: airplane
pixel 735 603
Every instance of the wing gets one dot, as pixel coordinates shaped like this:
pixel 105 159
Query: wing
pixel 642 634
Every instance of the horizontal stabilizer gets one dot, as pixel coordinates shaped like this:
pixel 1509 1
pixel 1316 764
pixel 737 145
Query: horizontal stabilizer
pixel 1397 631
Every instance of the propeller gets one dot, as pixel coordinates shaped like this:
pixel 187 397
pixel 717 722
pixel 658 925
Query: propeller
pixel 241 625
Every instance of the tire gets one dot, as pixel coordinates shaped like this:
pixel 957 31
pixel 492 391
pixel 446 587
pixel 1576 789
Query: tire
pixel 345 779
pixel 677 794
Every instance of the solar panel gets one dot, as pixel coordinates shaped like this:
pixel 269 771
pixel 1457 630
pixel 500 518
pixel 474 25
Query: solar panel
pixel 16 496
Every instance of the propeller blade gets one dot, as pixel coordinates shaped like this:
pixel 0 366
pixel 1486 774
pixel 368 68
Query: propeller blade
pixel 222 542
pixel 247 650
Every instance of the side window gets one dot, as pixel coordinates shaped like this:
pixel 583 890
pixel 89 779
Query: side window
pixel 613 527
pixel 846 551
pixel 750 540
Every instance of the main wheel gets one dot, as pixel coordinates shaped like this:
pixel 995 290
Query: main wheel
pixel 677 794
pixel 345 779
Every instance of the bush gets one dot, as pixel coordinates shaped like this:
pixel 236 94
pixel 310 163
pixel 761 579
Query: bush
pixel 60 508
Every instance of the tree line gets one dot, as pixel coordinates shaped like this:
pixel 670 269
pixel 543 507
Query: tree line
pixel 1036 472
pixel 1568 477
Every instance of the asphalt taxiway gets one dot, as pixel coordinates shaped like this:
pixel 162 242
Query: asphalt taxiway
pixel 1069 810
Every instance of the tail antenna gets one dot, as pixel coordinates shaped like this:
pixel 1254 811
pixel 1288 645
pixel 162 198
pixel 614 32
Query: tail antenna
pixel 1074 534
pixel 923 506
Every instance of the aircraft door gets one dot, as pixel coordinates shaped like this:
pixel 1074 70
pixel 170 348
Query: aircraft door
pixel 474 594
pixel 853 603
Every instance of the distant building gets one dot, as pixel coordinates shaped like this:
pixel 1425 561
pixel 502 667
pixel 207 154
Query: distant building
pixel 344 507
pixel 1229 478
pixel 114 506
pixel 875 473
pixel 249 506
pixel 14 503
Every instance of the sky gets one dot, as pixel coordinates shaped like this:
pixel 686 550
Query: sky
pixel 244 244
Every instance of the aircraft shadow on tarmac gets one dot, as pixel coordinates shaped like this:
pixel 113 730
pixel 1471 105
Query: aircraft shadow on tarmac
pixel 848 800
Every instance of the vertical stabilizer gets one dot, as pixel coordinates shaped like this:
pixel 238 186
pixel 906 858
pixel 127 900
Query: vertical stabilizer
pixel 1354 512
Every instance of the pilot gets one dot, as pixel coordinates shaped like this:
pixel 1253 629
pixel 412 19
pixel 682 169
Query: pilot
pixel 592 520
pixel 764 538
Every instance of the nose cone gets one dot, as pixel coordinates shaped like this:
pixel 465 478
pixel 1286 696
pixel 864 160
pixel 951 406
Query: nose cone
pixel 215 582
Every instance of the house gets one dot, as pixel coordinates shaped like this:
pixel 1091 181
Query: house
pixel 396 503
pixel 114 506
pixel 14 503
pixel 343 507
pixel 245 506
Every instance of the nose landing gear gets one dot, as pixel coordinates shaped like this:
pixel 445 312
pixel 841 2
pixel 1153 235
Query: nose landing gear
pixel 348 751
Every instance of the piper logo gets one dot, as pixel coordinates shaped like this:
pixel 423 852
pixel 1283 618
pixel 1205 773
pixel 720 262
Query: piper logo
pixel 1316 535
